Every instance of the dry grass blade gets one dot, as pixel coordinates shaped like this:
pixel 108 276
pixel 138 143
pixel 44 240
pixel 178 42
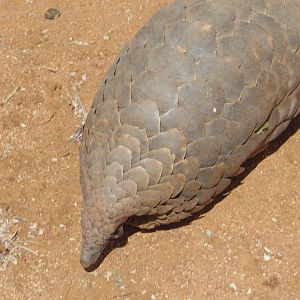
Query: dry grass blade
pixel 11 247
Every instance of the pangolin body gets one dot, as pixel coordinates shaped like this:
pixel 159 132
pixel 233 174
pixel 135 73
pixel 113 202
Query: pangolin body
pixel 203 86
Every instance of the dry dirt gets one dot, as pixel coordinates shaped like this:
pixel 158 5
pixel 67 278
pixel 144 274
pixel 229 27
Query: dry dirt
pixel 246 247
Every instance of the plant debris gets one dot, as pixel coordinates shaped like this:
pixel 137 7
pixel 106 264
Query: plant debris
pixel 11 247
pixel 79 111
pixel 263 128
pixel 119 280
pixel 80 43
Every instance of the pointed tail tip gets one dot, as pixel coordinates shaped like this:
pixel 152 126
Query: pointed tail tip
pixel 87 260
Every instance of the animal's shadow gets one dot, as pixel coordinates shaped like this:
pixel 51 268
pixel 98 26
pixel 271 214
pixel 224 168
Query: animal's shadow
pixel 249 165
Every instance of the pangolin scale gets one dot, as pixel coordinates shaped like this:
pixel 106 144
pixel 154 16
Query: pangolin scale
pixel 203 86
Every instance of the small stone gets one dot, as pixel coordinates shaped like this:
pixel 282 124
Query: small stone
pixel 22 125
pixel 84 77
pixel 153 297
pixel 25 51
pixel 52 13
pixel 105 37
pixel 45 31
pixel 267 257
pixel 233 286
pixel 249 292
pixel 41 231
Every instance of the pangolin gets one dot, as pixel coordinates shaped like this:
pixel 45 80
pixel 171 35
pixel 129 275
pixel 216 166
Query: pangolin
pixel 202 86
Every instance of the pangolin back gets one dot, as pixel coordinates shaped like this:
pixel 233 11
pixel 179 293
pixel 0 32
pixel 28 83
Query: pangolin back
pixel 203 86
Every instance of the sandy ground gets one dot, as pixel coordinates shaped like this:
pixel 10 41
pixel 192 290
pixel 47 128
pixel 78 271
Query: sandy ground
pixel 246 247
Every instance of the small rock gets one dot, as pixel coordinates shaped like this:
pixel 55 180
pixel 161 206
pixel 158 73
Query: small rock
pixel 52 13
pixel 268 254
pixel 45 31
pixel 153 297
pixel 105 37
pixel 84 77
pixel 267 257
pixel 233 286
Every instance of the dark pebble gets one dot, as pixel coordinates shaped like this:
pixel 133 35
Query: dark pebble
pixel 52 13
